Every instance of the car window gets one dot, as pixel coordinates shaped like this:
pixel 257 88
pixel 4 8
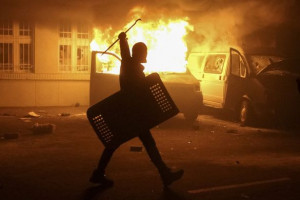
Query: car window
pixel 214 64
pixel 243 70
pixel 235 64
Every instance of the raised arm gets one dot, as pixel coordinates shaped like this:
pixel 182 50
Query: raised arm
pixel 124 47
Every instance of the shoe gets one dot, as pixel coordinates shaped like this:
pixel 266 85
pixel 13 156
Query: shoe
pixel 168 177
pixel 100 178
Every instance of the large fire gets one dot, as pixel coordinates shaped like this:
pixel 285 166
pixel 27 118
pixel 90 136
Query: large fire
pixel 165 40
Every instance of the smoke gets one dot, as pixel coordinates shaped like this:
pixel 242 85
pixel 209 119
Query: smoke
pixel 247 24
pixel 215 21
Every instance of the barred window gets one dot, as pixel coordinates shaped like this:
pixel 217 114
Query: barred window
pixel 6 56
pixel 6 27
pixel 82 58
pixel 25 57
pixel 65 30
pixel 25 29
pixel 65 58
pixel 82 31
pixel 73 47
pixel 16 51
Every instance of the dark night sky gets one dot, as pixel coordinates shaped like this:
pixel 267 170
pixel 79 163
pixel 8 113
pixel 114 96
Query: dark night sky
pixel 239 17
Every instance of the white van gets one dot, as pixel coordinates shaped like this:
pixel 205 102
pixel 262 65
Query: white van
pixel 245 84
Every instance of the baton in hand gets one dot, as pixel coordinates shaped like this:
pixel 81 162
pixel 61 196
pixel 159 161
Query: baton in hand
pixel 118 38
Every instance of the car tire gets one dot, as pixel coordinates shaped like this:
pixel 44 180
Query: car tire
pixel 245 113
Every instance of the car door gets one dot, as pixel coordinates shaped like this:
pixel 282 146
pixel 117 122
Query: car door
pixel 236 80
pixel 213 81
pixel 104 79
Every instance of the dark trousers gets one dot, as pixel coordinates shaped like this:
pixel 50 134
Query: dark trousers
pixel 150 147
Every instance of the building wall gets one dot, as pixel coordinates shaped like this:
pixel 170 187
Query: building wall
pixel 20 93
pixel 46 48
pixel 46 86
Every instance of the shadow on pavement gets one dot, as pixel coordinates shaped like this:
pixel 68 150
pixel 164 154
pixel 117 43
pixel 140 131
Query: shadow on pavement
pixel 92 192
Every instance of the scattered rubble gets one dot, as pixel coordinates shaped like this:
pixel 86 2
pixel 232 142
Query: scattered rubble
pixel 64 114
pixel 32 114
pixel 25 119
pixel 43 128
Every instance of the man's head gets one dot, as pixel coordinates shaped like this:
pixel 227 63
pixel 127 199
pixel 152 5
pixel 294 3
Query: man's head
pixel 139 52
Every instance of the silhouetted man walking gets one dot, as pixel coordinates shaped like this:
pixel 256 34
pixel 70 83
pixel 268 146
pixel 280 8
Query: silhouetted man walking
pixel 132 82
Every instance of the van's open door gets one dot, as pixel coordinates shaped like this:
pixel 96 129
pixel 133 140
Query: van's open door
pixel 102 83
pixel 236 82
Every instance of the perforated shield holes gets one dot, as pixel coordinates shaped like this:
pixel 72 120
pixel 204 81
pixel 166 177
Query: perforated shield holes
pixel 160 97
pixel 103 129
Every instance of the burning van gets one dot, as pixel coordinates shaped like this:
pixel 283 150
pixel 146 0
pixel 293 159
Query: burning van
pixel 253 85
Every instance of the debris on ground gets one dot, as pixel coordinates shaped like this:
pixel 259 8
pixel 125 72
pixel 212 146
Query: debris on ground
pixel 136 148
pixel 64 114
pixel 32 114
pixel 25 119
pixel 78 115
pixel 43 128
pixel 10 136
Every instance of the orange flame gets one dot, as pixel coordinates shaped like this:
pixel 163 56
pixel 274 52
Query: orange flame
pixel 166 43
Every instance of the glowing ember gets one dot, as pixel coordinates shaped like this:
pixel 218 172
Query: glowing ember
pixel 165 40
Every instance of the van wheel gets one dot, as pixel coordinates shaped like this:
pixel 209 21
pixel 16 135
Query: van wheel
pixel 245 113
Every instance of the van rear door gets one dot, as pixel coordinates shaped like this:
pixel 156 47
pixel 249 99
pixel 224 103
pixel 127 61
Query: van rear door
pixel 213 79
pixel 236 81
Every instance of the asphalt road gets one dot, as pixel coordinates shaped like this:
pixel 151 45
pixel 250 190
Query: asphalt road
pixel 221 160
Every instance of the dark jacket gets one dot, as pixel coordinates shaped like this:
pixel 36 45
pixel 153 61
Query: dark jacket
pixel 132 77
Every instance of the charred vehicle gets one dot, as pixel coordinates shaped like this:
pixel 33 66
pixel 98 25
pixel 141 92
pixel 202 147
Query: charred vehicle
pixel 254 86
pixel 182 87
